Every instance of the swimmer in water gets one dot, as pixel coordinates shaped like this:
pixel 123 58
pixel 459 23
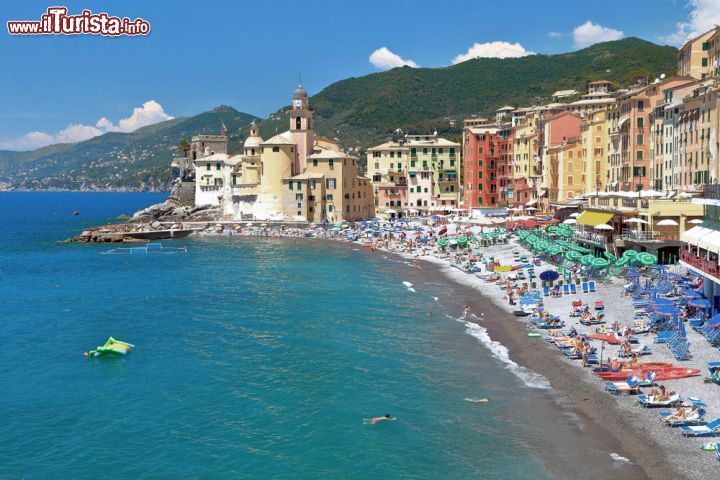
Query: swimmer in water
pixel 477 400
pixel 466 310
pixel 374 420
pixel 429 313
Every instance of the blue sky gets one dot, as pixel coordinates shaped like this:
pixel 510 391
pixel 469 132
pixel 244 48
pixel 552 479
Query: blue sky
pixel 248 54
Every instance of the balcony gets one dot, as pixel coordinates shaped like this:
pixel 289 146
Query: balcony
pixel 708 266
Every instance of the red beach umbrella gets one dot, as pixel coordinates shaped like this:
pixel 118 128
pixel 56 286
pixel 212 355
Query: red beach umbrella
pixel 603 337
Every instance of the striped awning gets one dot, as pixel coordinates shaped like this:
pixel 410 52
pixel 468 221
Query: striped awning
pixel 593 219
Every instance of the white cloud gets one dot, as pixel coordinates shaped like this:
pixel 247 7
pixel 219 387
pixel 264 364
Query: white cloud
pixel 385 59
pixel 590 33
pixel 704 15
pixel 151 112
pixel 556 34
pixel 494 50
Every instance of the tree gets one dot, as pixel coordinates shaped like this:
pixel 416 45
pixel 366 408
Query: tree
pixel 183 146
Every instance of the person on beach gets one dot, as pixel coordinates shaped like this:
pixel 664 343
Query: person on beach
pixel 678 415
pixel 466 310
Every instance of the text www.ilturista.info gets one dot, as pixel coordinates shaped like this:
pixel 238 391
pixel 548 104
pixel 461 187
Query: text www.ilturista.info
pixel 56 21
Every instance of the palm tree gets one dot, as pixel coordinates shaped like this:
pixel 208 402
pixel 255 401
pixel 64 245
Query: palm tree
pixel 183 146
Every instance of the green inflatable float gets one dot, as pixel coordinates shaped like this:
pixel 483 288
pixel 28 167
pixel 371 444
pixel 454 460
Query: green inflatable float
pixel 112 346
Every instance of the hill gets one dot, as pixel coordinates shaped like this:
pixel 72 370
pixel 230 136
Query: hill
pixel 139 160
pixel 362 110
pixel 358 112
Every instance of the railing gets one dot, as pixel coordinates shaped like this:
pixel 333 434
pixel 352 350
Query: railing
pixel 640 236
pixel 590 237
pixel 711 191
pixel 708 266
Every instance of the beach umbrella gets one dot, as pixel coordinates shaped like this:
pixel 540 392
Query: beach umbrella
pixel 574 215
pixel 667 223
pixel 604 337
pixel 603 226
pixel 636 220
pixel 697 221
pixel 570 221
pixel 549 276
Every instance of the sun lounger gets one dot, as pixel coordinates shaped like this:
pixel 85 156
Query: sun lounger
pixel 546 291
pixel 585 288
pixel 709 428
pixel 573 289
pixel 629 386
pixel 695 417
pixel 566 289
pixel 649 401
pixel 591 286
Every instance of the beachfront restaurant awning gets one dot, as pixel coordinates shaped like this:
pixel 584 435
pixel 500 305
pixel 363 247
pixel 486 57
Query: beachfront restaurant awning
pixel 593 219
pixel 692 235
pixel 710 241
pixel 531 203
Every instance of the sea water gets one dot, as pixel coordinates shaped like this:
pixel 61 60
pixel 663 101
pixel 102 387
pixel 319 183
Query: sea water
pixel 255 358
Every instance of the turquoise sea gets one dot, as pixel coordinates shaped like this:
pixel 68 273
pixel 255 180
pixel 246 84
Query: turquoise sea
pixel 255 358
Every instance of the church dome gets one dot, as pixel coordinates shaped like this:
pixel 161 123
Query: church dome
pixel 299 93
pixel 252 142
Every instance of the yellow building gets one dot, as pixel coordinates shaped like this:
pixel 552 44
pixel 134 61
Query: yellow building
pixel 694 57
pixel 565 174
pixel 594 139
pixel 526 144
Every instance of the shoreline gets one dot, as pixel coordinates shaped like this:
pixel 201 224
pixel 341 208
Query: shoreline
pixel 606 415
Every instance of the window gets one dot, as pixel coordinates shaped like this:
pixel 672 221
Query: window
pixel 331 164
pixel 413 152
pixel 640 121
pixel 452 151
pixel 480 149
pixel 570 180
pixel 640 105
pixel 328 198
pixel 298 123
pixel 376 154
pixel 639 140
pixel 299 185
pixel 208 167
pixel 290 185
pixel 704 62
pixel 639 155
pixel 425 151
pixel 276 149
pixel 315 162
pixel 392 154
pixel 705 47
pixel 298 196
pixel 330 183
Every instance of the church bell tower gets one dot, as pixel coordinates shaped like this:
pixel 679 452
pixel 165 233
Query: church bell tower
pixel 301 128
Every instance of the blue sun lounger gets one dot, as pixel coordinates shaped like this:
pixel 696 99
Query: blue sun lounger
pixel 566 289
pixel 573 289
pixel 702 429
pixel 591 285
pixel 585 288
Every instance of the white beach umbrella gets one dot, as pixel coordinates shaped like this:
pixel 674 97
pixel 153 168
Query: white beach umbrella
pixel 667 223
pixel 570 221
pixel 603 226
pixel 697 221
pixel 636 220
pixel 531 209
pixel 575 215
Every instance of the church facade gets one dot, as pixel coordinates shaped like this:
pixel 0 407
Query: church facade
pixel 292 176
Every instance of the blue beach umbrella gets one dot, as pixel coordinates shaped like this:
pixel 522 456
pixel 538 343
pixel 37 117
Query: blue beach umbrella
pixel 549 276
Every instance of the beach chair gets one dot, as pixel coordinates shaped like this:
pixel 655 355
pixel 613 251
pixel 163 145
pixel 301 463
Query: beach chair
pixel 573 289
pixel 566 289
pixel 648 401
pixel 696 417
pixel 591 286
pixel 629 386
pixel 546 291
pixel 702 429
pixel 585 288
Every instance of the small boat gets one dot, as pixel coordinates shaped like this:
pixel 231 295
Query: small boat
pixel 112 346
pixel 75 213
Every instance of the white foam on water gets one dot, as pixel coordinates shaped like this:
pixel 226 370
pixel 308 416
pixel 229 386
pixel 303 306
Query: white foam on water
pixel 410 289
pixel 407 284
pixel 619 458
pixel 436 299
pixel 500 352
